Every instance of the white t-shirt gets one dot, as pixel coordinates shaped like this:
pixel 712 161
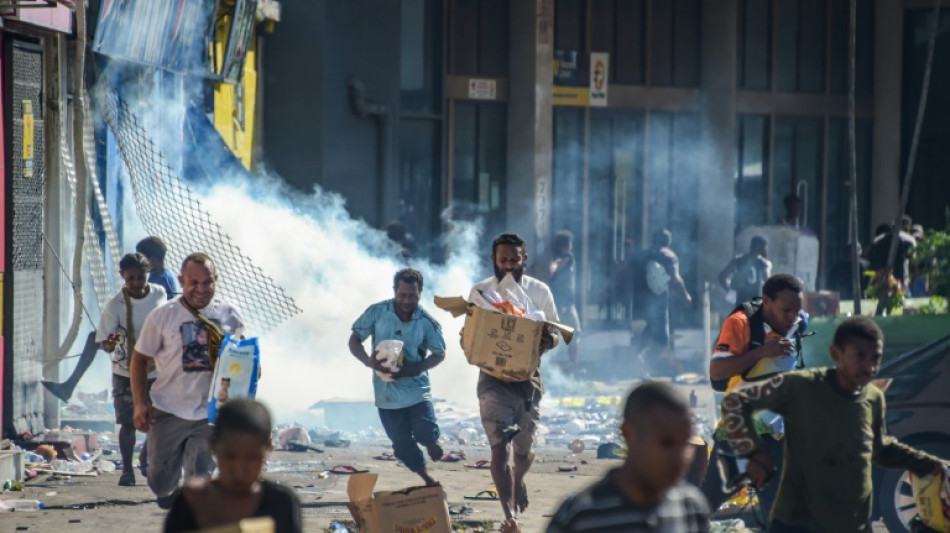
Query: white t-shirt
pixel 539 293
pixel 178 343
pixel 114 320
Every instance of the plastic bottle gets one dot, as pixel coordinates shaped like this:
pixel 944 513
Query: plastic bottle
pixel 25 505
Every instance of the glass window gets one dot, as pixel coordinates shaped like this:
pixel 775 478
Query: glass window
pixel 811 46
pixel 479 164
pixel 493 38
pixel 753 170
pixel 568 160
pixel 463 37
pixel 797 166
pixel 569 24
pixel 661 44
pixel 755 47
pixel 420 63
pixel 420 191
pixel 464 154
pixel 686 35
pixel 837 191
pixel 786 42
pixel 602 26
pixel 628 66
pixel 840 33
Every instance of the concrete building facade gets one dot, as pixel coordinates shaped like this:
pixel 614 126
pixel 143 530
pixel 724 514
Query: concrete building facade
pixel 708 113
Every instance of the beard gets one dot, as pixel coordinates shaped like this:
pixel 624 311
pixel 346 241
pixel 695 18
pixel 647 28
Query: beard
pixel 500 274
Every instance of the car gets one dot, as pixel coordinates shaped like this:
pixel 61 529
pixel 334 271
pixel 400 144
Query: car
pixel 918 414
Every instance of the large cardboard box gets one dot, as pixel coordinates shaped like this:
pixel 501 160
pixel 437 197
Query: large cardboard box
pixel 412 510
pixel 502 345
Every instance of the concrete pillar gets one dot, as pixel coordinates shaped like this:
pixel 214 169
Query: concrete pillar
pixel 54 50
pixel 886 165
pixel 530 136
pixel 717 204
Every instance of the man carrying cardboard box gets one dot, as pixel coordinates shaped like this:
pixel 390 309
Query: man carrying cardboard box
pixel 509 410
pixel 404 397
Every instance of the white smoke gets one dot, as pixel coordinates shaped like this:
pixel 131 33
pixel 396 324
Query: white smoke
pixel 334 267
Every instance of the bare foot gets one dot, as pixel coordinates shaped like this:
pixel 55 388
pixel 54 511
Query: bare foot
pixel 521 497
pixel 429 480
pixel 509 526
pixel 435 451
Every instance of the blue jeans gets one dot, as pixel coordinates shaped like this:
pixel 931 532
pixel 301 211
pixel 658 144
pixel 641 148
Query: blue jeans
pixel 407 428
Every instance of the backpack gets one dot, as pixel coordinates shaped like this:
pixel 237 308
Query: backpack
pixel 753 311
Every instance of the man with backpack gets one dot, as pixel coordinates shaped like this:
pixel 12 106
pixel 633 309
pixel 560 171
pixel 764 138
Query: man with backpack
pixel 746 273
pixel 761 338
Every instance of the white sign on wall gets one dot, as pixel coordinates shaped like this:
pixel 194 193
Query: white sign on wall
pixel 479 89
pixel 599 70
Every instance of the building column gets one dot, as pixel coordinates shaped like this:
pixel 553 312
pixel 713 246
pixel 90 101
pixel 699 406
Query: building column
pixel 530 132
pixel 717 204
pixel 54 51
pixel 886 165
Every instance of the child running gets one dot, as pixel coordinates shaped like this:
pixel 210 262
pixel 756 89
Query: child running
pixel 834 424
pixel 240 441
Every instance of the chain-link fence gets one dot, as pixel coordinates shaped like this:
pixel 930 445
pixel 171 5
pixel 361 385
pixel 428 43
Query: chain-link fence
pixel 169 208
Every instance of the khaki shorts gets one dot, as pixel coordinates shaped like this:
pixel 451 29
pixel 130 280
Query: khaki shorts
pixel 509 416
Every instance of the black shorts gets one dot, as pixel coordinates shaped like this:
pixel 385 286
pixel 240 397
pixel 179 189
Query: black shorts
pixel 122 398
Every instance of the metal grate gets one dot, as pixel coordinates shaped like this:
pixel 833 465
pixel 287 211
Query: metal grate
pixel 27 326
pixel 168 208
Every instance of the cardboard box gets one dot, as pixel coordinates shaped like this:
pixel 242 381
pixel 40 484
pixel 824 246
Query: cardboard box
pixel 504 346
pixel 412 510
pixel 822 303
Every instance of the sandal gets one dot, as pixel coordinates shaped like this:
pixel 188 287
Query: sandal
pixel 453 457
pixel 483 465
pixel 346 470
pixel 489 494
pixel 386 456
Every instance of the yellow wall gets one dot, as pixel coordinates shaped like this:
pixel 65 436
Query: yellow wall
pixel 234 112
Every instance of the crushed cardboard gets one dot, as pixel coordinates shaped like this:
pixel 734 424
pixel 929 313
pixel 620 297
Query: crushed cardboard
pixel 502 345
pixel 410 510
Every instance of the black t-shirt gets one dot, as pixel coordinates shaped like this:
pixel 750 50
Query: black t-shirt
pixel 881 248
pixel 277 502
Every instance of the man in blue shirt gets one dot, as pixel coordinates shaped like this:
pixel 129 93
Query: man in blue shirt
pixel 154 249
pixel 405 402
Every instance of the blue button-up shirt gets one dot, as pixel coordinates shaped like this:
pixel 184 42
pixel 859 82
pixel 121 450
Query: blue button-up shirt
pixel 420 336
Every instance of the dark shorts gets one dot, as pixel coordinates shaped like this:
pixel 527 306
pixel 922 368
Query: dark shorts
pixel 122 398
pixel 657 316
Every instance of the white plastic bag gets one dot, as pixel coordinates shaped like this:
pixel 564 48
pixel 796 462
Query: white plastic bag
pixel 390 353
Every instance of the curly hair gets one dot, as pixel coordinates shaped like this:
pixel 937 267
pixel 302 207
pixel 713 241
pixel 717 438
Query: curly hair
pixel 408 275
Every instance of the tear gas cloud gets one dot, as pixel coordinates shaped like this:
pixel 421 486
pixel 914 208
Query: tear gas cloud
pixel 334 267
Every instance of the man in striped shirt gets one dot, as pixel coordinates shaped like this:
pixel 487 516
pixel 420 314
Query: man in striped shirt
pixel 647 492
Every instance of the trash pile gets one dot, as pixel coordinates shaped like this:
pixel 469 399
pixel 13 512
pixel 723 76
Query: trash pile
pixel 56 455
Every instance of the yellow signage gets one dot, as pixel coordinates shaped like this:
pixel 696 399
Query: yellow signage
pixel 27 138
pixel 573 96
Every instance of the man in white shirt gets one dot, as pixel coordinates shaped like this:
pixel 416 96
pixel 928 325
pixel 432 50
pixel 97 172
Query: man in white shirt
pixel 182 338
pixel 509 410
pixel 117 337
